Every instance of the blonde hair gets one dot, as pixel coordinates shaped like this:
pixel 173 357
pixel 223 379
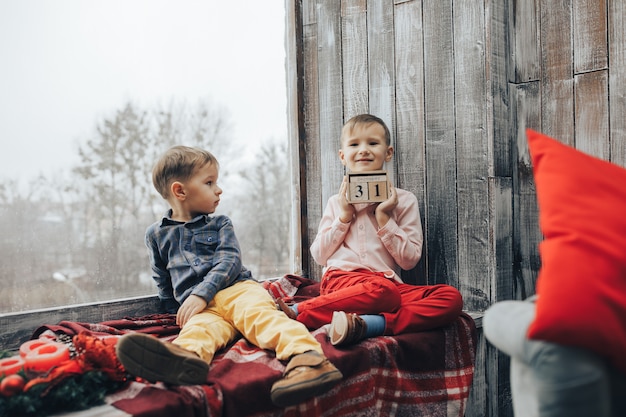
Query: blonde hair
pixel 365 119
pixel 179 163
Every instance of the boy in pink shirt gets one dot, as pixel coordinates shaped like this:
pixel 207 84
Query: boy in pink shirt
pixel 363 247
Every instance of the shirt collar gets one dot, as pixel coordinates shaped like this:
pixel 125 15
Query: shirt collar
pixel 168 221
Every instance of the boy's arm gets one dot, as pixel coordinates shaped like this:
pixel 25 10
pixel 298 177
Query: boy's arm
pixel 330 234
pixel 161 277
pixel 402 234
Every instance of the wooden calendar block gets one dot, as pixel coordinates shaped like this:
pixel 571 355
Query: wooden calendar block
pixel 367 187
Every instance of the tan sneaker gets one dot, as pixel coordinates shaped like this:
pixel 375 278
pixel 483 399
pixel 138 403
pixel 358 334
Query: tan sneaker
pixel 149 358
pixel 306 375
pixel 346 328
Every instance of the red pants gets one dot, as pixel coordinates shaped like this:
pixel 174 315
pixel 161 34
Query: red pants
pixel 406 307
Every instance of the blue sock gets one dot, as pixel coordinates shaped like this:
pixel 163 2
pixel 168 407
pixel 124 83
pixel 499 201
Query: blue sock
pixel 375 325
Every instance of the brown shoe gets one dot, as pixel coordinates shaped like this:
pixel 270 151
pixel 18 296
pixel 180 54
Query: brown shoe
pixel 306 375
pixel 286 309
pixel 346 328
pixel 149 358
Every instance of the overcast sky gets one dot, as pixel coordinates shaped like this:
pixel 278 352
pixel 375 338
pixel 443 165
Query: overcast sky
pixel 66 65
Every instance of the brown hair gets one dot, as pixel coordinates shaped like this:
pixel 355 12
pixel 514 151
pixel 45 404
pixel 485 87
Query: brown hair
pixel 366 119
pixel 179 163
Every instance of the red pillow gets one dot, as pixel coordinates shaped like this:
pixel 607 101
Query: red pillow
pixel 582 280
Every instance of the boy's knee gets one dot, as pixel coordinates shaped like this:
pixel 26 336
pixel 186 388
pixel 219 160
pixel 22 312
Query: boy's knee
pixel 570 381
pixel 505 325
pixel 567 366
pixel 387 292
pixel 451 296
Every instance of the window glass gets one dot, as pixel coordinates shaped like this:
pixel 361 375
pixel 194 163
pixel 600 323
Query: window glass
pixel 92 92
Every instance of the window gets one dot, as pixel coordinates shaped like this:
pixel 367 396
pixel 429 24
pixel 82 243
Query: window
pixel 92 92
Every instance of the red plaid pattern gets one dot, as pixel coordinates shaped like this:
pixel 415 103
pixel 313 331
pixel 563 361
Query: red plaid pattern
pixel 414 374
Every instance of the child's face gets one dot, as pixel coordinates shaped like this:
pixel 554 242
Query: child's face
pixel 364 148
pixel 202 192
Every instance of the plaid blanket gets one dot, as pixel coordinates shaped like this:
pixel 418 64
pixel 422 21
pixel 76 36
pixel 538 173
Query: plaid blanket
pixel 415 374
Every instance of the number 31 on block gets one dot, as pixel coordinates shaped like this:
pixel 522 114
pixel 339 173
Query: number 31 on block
pixel 367 187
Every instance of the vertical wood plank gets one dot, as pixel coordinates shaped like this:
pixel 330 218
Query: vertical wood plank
pixel 409 142
pixel 501 239
pixel 478 403
pixel 525 113
pixel 311 137
pixel 524 41
pixel 472 153
pixel 441 203
pixel 354 57
pixel 502 288
pixel 491 390
pixel 617 80
pixel 295 131
pixel 592 113
pixel 382 65
pixel 590 35
pixel 497 62
pixel 557 98
pixel 330 94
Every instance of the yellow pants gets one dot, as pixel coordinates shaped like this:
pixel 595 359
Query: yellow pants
pixel 245 308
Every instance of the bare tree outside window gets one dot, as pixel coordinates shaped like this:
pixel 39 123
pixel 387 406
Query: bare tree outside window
pixel 87 242
pixel 266 210
pixel 75 234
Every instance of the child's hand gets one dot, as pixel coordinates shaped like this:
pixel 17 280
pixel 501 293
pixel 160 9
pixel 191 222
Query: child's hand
pixel 384 209
pixel 347 209
pixel 192 306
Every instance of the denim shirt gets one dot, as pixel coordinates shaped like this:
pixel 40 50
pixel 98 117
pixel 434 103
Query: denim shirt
pixel 199 257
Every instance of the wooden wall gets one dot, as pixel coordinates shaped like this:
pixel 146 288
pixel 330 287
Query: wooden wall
pixel 458 82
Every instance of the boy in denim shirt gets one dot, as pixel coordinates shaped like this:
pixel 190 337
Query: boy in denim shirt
pixel 196 264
